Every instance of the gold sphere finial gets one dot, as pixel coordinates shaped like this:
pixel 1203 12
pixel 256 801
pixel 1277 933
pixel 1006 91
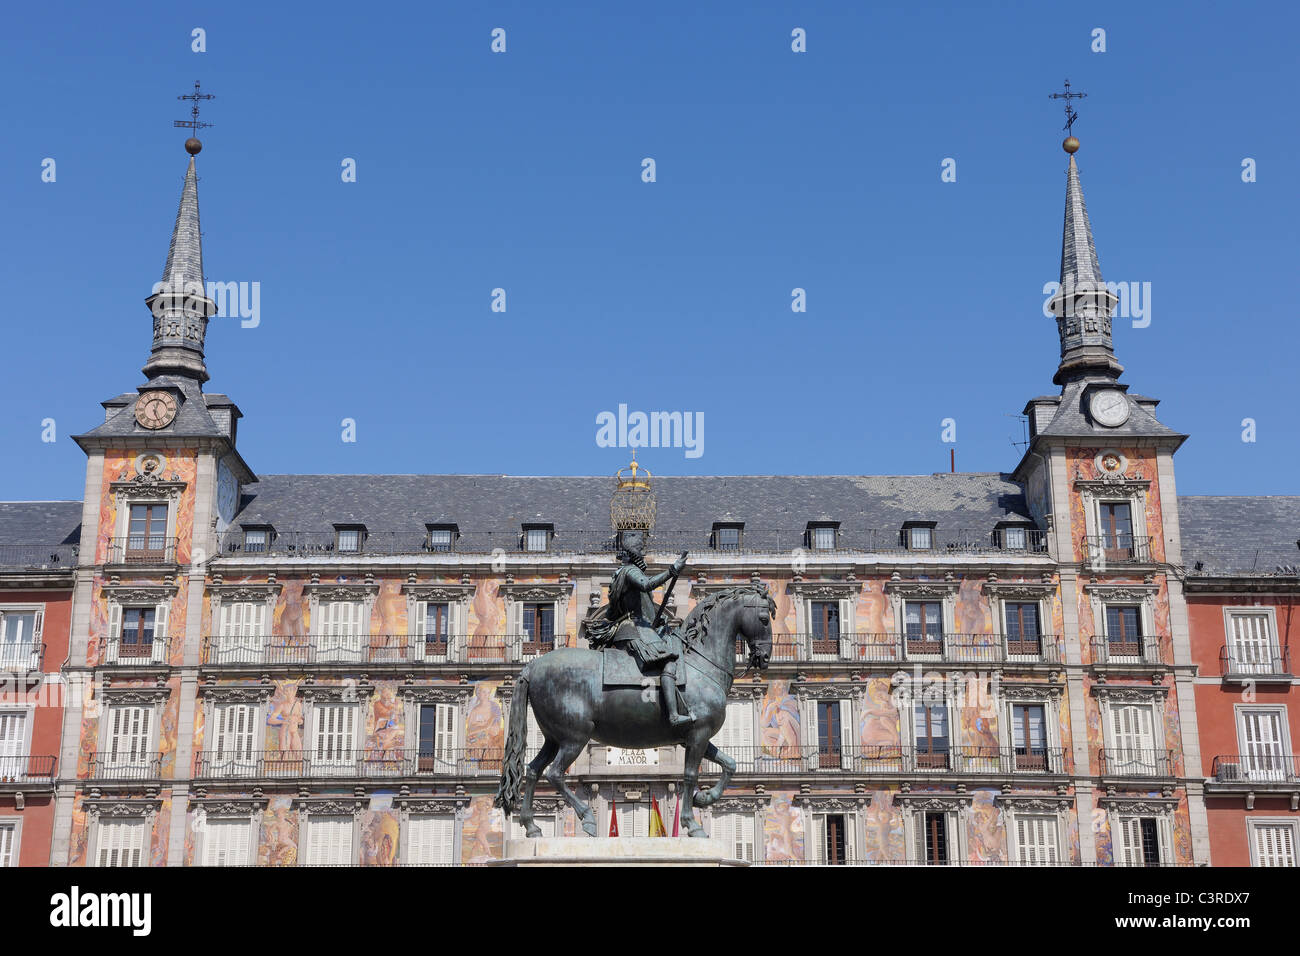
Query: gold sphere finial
pixel 193 145
pixel 1070 145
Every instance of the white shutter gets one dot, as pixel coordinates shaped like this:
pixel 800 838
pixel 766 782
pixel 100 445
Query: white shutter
pixel 737 831
pixel 818 840
pixel 340 632
pixel 114 632
pixel 444 737
pixel 329 841
pixel 8 845
pixel 633 820
pixel 845 649
pixel 227 843
pixel 1134 743
pixel 121 843
pixel 1252 646
pixel 241 632
pixel 417 629
pixel 39 626
pixel 1036 840
pixel 128 741
pixel 1261 732
pixel 335 735
pixel 13 737
pixel 160 633
pixel 236 738
pixel 430 839
pixel 847 736
pixel 536 739
pixel 1274 845
pixel 736 736
pixel 1130 840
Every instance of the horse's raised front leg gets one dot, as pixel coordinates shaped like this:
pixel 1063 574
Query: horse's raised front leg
pixel 568 752
pixel 535 766
pixel 706 797
pixel 694 752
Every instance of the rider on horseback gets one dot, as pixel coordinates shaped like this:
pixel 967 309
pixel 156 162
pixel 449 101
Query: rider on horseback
pixel 630 616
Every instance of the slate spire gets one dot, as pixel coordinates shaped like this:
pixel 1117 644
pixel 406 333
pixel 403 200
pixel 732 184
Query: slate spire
pixel 179 304
pixel 1083 305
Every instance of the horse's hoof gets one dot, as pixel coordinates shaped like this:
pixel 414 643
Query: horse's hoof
pixel 588 827
pixel 533 832
pixel 695 831
pixel 704 799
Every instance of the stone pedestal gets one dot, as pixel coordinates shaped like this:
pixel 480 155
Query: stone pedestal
pixel 617 851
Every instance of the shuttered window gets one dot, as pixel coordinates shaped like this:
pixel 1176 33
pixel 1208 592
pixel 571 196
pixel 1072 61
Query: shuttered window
pixel 1139 841
pixel 339 631
pixel 122 843
pixel 736 736
pixel 329 841
pixel 633 820
pixel 833 838
pixel 235 739
pixel 430 839
pixel 13 744
pixel 736 830
pixel 1275 844
pixel 932 838
pixel 1134 750
pixel 8 844
pixel 1263 756
pixel 335 736
pixel 128 736
pixel 438 738
pixel 20 639
pixel 1036 840
pixel 1250 644
pixel 243 628
pixel 227 843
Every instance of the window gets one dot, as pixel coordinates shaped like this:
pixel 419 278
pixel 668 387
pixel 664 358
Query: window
pixel 1022 629
pixel 1272 843
pixel 726 537
pixel 1029 736
pixel 348 539
pixel 1036 840
pixel 1250 644
pixel 736 830
pixel 146 533
pixel 13 745
pixel 822 537
pixel 834 734
pixel 918 537
pixel 537 537
pixel 339 633
pixel 432 628
pixel 833 838
pixel 826 620
pixel 430 839
pixel 923 624
pixel 441 537
pixel 633 819
pixel 1116 530
pixel 329 840
pixel 1015 538
pixel 227 843
pixel 335 735
pixel 20 639
pixel 122 843
pixel 137 634
pixel 1139 842
pixel 234 743
pixel 736 736
pixel 932 844
pixel 438 738
pixel 931 736
pixel 243 628
pixel 1263 746
pixel 1123 631
pixel 8 843
pixel 1133 752
pixel 127 747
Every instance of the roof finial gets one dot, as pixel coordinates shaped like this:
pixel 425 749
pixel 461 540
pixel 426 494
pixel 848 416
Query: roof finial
pixel 193 144
pixel 1070 145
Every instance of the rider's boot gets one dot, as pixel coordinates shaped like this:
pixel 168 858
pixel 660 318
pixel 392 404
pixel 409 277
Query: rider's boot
pixel 668 690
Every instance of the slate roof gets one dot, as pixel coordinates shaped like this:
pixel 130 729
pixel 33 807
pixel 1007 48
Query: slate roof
pixel 192 418
pixel 1071 419
pixel 1238 535
pixel 502 503
pixel 39 534
pixel 1078 251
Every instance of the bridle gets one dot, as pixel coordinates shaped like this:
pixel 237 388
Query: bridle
pixel 752 601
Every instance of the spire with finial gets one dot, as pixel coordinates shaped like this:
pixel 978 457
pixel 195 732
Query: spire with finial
pixel 1083 305
pixel 179 303
pixel 632 508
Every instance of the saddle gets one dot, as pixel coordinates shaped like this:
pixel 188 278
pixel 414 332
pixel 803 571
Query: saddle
pixel 620 667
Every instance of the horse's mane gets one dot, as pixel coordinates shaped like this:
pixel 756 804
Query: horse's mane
pixel 696 625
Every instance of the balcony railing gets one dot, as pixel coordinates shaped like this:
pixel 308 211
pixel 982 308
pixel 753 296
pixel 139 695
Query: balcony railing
pixel 1137 650
pixel 1117 549
pixel 1254 661
pixel 30 769
pixel 147 549
pixel 125 768
pixel 329 762
pixel 894 759
pixel 890 648
pixel 38 557
pixel 25 658
pixel 1126 762
pixel 266 649
pixel 1249 769
pixel 753 541
pixel 126 653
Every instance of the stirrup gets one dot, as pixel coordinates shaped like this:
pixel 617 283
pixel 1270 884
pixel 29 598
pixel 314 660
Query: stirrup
pixel 676 720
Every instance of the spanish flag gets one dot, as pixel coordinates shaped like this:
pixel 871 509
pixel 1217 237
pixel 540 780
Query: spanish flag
pixel 657 828
pixel 613 816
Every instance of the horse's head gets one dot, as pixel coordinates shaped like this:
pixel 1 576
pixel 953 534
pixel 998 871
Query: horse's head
pixel 756 625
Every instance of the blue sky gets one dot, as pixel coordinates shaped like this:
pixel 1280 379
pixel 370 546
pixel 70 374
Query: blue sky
pixel 775 170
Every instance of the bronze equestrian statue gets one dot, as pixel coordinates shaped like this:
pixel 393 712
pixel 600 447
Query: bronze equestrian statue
pixel 577 694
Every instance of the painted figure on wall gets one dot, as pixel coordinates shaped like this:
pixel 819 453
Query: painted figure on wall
pixel 279 843
pixel 386 726
pixel 379 838
pixel 481 835
pixel 988 838
pixel 783 829
pixel 885 838
pixel 879 722
pixel 284 719
pixel 485 722
pixel 779 722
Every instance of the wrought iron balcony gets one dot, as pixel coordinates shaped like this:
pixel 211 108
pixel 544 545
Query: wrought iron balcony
pixel 26 770
pixel 1253 662
pixel 1128 762
pixel 1111 651
pixel 38 557
pixel 1117 549
pixel 1250 770
pixel 892 648
pixel 145 549
pixel 897 760
pixel 340 763
pixel 25 658
pixel 125 768
pixel 220 650
pixel 126 653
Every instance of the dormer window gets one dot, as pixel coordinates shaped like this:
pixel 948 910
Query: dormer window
pixel 442 537
pixel 918 535
pixel 823 535
pixel 348 538
pixel 537 537
pixel 1014 537
pixel 257 539
pixel 727 535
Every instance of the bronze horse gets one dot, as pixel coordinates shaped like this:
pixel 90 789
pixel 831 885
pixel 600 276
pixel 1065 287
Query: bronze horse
pixel 564 688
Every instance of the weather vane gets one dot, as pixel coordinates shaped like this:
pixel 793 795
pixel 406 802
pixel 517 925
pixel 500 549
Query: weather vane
pixel 1070 114
pixel 192 145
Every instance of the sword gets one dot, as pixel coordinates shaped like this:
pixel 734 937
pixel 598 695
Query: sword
pixel 667 594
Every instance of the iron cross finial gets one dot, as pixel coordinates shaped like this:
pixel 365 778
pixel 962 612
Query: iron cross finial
pixel 193 122
pixel 1070 114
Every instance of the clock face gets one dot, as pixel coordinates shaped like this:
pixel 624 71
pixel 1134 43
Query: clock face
pixel 1109 407
pixel 155 409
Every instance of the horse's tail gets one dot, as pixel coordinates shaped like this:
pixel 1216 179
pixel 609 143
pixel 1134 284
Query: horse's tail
pixel 512 767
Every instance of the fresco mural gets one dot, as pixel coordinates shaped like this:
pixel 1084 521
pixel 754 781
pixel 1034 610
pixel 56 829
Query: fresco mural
pixel 386 721
pixel 874 612
pixel 878 718
pixel 986 833
pixel 284 718
pixel 779 722
pixel 482 832
pixel 278 845
pixel 783 837
pixel 886 839
pixel 380 832
pixel 485 728
pixel 167 729
pixel 1084 459
pixel 160 838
